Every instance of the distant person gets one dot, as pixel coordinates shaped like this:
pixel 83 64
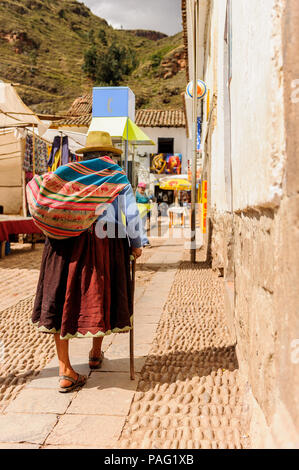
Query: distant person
pixel 143 202
pixel 84 288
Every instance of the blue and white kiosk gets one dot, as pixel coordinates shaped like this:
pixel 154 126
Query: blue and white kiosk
pixel 113 111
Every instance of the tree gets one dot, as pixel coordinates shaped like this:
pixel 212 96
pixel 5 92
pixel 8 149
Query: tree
pixel 90 62
pixel 109 66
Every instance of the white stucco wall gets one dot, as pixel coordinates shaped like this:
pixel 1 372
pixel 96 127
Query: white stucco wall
pixel 214 81
pixel 257 103
pixel 218 197
pixel 181 143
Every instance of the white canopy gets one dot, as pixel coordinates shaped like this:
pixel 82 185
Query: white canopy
pixel 13 112
pixel 77 140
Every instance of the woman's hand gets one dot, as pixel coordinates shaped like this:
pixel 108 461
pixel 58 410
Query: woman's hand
pixel 136 252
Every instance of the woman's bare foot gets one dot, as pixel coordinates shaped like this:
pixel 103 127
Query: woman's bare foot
pixel 65 367
pixel 69 373
pixel 96 353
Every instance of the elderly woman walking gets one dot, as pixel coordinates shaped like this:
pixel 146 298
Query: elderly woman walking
pixel 88 212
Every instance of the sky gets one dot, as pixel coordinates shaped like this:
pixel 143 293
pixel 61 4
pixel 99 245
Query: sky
pixel 158 15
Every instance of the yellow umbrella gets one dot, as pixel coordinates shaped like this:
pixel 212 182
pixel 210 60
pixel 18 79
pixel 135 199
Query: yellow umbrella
pixel 175 184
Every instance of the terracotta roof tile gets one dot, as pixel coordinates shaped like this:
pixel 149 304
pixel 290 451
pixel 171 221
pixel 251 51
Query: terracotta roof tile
pixel 160 118
pixel 81 109
pixel 81 106
pixel 78 121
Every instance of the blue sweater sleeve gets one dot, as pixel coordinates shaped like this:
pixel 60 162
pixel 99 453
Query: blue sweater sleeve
pixel 123 213
pixel 131 212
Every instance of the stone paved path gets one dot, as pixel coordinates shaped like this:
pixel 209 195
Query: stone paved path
pixel 189 394
pixel 187 391
pixel 41 417
pixel 24 351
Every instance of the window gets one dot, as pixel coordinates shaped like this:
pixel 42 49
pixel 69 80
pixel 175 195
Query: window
pixel 165 145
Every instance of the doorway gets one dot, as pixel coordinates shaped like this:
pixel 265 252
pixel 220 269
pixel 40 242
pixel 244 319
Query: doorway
pixel 165 145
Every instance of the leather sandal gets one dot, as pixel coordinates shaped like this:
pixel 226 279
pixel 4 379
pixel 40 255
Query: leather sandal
pixel 98 360
pixel 76 383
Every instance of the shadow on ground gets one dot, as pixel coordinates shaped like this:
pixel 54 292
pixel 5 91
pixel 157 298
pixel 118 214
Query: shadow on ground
pixel 184 265
pixel 161 369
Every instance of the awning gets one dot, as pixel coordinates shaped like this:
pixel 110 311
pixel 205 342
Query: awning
pixel 77 140
pixel 175 183
pixel 122 128
pixel 13 112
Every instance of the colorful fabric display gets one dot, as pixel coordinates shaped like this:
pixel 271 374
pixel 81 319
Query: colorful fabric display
pixel 41 155
pixel 59 142
pixel 28 166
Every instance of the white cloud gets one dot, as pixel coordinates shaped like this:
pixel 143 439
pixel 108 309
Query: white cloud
pixel 158 15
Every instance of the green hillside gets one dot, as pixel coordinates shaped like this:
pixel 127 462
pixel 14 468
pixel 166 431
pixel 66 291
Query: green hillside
pixel 43 44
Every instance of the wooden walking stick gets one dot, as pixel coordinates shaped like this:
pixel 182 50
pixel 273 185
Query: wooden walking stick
pixel 33 151
pixel 132 368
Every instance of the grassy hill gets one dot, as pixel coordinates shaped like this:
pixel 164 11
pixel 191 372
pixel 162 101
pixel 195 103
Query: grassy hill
pixel 42 46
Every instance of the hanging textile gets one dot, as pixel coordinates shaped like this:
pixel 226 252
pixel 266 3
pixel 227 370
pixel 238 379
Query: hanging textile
pixel 41 155
pixel 56 162
pixel 28 166
pixel 198 142
pixel 59 145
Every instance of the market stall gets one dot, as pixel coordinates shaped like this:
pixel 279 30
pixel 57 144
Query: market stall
pixel 15 116
pixel 177 183
pixel 15 225
pixel 113 111
pixel 126 134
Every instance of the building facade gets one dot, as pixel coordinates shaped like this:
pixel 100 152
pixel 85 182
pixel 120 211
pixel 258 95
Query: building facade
pixel 246 55
pixel 166 128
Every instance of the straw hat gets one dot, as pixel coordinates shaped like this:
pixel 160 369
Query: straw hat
pixel 98 141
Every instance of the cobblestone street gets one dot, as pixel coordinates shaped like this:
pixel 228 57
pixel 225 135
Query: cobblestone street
pixel 187 392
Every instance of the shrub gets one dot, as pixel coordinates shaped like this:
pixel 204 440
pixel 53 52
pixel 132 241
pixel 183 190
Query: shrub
pixel 62 14
pixel 90 62
pixel 109 66
pixel 156 59
pixel 103 37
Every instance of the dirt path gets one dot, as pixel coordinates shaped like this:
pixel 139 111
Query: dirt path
pixel 190 392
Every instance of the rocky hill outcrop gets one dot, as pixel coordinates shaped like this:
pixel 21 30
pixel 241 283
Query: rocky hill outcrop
pixel 144 33
pixel 43 45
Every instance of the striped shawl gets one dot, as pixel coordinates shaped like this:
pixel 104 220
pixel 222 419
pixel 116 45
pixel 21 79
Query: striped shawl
pixel 67 202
